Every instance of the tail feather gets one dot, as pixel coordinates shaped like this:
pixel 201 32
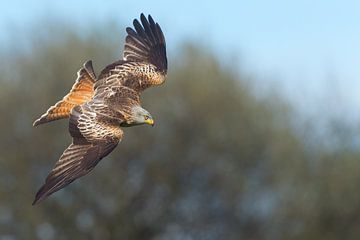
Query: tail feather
pixel 81 92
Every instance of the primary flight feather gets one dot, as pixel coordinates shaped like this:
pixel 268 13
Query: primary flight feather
pixel 97 107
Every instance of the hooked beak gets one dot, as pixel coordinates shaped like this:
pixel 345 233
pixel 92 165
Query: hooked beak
pixel 150 121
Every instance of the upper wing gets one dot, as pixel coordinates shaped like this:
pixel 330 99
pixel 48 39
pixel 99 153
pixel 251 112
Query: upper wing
pixel 144 61
pixel 82 91
pixel 146 43
pixel 94 137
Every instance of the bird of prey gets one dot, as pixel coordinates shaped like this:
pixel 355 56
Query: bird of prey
pixel 97 107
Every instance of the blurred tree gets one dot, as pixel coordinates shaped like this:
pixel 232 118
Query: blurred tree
pixel 221 162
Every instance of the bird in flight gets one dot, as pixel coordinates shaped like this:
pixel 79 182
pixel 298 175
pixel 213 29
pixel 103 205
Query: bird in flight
pixel 97 107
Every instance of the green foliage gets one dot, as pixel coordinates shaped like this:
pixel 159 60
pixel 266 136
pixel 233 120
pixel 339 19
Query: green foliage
pixel 220 163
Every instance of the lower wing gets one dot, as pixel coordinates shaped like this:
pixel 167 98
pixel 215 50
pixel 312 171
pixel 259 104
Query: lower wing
pixel 93 139
pixel 76 161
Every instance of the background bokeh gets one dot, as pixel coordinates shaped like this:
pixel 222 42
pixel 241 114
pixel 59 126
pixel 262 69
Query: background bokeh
pixel 241 149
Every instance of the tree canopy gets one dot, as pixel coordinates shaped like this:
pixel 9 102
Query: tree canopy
pixel 221 163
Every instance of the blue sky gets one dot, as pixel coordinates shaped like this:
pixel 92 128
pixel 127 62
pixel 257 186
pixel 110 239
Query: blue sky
pixel 310 48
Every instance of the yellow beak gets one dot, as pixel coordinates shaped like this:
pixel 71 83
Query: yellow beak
pixel 150 121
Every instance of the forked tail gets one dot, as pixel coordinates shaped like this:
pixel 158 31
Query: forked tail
pixel 81 92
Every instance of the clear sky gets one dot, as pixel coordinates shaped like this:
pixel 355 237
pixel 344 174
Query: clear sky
pixel 309 47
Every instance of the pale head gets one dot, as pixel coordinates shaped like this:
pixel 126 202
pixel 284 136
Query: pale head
pixel 139 116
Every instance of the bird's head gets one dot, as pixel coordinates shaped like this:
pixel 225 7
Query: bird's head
pixel 139 116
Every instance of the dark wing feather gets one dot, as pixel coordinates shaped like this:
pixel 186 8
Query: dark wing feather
pixel 146 43
pixel 76 161
pixel 144 61
pixel 148 31
pixel 94 137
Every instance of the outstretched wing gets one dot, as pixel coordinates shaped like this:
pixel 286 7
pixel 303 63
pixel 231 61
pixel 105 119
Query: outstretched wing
pixel 93 139
pixel 144 61
pixel 146 43
pixel 76 161
pixel 81 92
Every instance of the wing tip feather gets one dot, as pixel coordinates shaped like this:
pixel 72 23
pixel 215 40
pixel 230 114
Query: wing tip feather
pixel 37 199
pixel 149 35
pixel 41 195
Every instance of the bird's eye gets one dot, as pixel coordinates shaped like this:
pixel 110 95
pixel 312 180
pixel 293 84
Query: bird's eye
pixel 146 117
